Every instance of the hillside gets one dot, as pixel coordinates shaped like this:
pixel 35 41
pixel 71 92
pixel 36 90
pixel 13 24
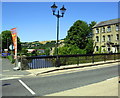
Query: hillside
pixel 44 42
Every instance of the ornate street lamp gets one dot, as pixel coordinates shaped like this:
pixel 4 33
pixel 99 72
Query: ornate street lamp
pixel 54 7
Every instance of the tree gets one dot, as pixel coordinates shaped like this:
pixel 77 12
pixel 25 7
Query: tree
pixel 80 35
pixel 77 34
pixel 47 51
pixel 69 50
pixel 93 23
pixel 7 40
pixel 89 47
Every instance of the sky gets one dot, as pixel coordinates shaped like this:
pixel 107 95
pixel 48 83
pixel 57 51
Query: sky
pixel 34 20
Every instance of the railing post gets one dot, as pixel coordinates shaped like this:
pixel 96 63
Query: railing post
pixel 105 58
pixel 92 58
pixel 78 61
pixel 57 62
pixel 114 56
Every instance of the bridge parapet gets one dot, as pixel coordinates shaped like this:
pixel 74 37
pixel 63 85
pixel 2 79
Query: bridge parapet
pixel 35 62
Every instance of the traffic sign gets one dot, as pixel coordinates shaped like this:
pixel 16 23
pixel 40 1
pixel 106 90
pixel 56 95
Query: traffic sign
pixel 11 47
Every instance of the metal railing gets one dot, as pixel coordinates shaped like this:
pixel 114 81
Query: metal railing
pixel 62 60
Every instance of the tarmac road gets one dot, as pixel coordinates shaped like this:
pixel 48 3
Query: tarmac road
pixel 40 86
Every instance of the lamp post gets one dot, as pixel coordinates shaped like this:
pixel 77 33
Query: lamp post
pixel 54 7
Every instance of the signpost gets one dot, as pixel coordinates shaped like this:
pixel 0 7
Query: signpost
pixel 11 47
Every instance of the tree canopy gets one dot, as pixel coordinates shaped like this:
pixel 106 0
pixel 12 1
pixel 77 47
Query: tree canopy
pixel 7 40
pixel 77 34
pixel 69 50
pixel 80 35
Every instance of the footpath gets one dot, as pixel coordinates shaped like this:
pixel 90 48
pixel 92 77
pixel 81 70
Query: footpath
pixel 105 88
pixel 41 71
pixel 7 68
pixel 7 71
pixel 108 87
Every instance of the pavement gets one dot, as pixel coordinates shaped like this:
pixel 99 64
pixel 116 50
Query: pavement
pixel 66 84
pixel 37 72
pixel 7 68
pixel 7 71
pixel 105 88
pixel 99 89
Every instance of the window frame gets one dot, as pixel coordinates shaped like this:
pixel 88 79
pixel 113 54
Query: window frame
pixel 97 38
pixel 103 38
pixel 109 29
pixel 97 30
pixel 117 37
pixel 103 29
pixel 97 48
pixel 109 38
pixel 117 27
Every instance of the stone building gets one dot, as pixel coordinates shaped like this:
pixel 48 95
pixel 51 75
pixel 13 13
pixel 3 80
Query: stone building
pixel 106 36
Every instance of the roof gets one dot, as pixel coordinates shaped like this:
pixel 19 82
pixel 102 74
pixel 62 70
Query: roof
pixel 108 22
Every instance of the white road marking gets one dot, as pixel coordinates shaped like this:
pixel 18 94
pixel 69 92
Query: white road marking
pixel 5 70
pixel 8 78
pixel 31 91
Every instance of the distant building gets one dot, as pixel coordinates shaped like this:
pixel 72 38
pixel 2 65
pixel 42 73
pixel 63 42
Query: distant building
pixel 39 50
pixel 30 50
pixel 106 36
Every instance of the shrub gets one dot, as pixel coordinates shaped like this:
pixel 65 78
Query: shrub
pixel 10 57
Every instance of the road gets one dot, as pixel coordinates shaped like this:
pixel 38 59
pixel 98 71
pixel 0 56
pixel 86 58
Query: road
pixel 7 69
pixel 40 86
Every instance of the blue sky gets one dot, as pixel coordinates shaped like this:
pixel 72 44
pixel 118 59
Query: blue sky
pixel 35 22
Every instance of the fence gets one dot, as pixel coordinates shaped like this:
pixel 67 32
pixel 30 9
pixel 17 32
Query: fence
pixel 62 60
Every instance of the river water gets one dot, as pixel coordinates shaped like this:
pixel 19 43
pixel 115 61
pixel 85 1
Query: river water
pixel 40 63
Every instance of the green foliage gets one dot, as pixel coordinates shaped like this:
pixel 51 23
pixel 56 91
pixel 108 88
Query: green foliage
pixel 11 58
pixel 93 23
pixel 7 40
pixel 77 34
pixel 99 51
pixel 104 51
pixel 47 52
pixel 80 35
pixel 89 47
pixel 67 50
pixel 37 45
pixel 24 51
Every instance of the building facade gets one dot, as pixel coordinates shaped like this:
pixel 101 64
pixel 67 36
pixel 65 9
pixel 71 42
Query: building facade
pixel 106 36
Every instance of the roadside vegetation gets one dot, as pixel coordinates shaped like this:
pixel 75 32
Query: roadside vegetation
pixel 78 41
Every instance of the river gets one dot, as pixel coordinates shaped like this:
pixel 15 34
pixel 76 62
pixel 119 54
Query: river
pixel 40 63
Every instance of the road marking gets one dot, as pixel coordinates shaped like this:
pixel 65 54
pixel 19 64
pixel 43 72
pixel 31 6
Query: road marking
pixel 5 70
pixel 8 78
pixel 31 91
